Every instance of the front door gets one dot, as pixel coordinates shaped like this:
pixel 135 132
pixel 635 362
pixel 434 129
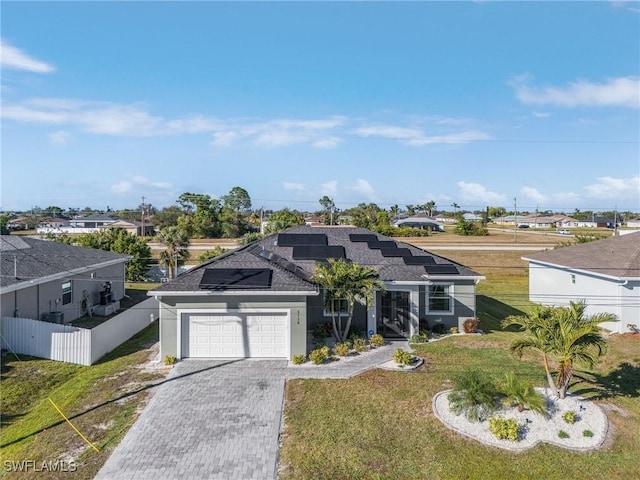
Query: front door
pixel 394 314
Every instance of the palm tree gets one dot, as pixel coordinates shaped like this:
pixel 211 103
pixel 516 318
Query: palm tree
pixel 431 206
pixel 455 208
pixel 520 393
pixel 345 281
pixel 176 242
pixel 565 334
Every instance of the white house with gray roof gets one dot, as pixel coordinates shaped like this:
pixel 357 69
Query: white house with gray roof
pixel 605 273
pixel 260 300
pixel 44 280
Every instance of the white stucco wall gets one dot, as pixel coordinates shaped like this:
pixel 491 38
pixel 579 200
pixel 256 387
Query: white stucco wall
pixel 555 286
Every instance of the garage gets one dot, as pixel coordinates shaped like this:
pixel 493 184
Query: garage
pixel 235 335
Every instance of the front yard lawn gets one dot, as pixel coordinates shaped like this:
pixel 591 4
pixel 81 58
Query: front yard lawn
pixel 102 400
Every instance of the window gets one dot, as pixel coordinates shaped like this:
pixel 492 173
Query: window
pixel 340 308
pixel 440 298
pixel 67 293
pixel 573 278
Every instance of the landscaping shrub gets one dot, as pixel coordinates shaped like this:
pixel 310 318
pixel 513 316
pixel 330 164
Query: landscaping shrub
pixel 453 330
pixel 319 355
pixel 587 433
pixel 471 325
pixel 359 344
pixel 342 349
pixel 520 393
pixel 322 331
pixel 169 360
pixel 422 337
pixel 439 329
pixel 563 434
pixel 504 428
pixel 403 358
pixel 376 340
pixel 570 417
pixel 473 395
pixel 299 359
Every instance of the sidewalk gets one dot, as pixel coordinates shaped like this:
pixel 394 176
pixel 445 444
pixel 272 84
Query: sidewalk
pixel 348 366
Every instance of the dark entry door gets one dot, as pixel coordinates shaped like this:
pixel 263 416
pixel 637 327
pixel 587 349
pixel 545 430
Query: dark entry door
pixel 394 314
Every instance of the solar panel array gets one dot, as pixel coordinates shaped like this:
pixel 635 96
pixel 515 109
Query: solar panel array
pixel 378 244
pixel 284 263
pixel 363 237
pixel 235 278
pixel 442 269
pixel 395 252
pixel 419 260
pixel 294 239
pixel 318 252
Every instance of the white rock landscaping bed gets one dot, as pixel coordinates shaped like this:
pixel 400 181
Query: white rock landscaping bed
pixel 538 428
pixel 393 365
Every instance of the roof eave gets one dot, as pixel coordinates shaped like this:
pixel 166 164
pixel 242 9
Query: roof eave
pixel 208 293
pixel 581 270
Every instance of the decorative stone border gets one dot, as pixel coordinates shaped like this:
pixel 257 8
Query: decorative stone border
pixel 393 365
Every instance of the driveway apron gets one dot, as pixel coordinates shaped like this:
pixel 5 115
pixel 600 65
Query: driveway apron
pixel 211 419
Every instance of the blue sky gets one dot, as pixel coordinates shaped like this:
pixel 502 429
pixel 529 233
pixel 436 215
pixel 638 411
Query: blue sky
pixel 394 103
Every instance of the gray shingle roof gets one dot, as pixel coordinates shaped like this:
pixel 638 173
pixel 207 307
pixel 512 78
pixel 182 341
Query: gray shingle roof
pixel 389 268
pixel 34 259
pixel 615 256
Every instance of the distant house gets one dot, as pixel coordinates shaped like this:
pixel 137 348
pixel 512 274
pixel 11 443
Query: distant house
pixel 134 227
pixel 419 221
pixel 95 221
pixel 543 221
pixel 86 224
pixel 597 222
pixel 55 282
pixel 261 301
pixel 605 273
pixel 634 223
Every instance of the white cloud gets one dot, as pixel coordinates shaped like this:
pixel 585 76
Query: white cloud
pixel 293 186
pixel 613 92
pixel 59 138
pixel 541 114
pixel 417 137
pixel 14 58
pixel 329 188
pixel 533 194
pixel 474 193
pixel 615 188
pixel 128 182
pixel 364 188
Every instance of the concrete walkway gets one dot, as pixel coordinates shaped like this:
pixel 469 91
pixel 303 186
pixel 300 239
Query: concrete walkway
pixel 211 419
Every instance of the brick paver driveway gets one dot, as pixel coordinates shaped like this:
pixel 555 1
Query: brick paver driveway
pixel 211 419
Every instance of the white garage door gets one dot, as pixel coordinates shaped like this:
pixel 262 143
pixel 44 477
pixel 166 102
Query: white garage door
pixel 235 335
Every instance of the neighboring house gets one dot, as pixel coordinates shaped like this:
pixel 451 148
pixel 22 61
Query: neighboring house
pixel 473 217
pixel 419 221
pixel 260 301
pixel 553 221
pixel 597 222
pixel 605 273
pixel 88 224
pixel 634 223
pixel 52 281
pixel 136 227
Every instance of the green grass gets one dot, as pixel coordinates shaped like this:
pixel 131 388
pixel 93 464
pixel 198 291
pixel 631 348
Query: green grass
pixel 380 425
pixel 102 400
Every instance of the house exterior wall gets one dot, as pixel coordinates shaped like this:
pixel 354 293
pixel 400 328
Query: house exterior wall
pixel 37 301
pixel 464 305
pixel 170 323
pixel 316 315
pixel 556 286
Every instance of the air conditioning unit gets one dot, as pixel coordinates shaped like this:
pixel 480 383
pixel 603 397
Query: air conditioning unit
pixel 55 317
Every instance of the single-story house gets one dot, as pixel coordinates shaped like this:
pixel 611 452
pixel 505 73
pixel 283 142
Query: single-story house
pixel 605 273
pixel 44 280
pixel 597 222
pixel 419 221
pixel 260 300
pixel 135 227
pixel 553 221
pixel 634 223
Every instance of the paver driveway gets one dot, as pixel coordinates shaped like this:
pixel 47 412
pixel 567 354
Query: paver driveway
pixel 211 419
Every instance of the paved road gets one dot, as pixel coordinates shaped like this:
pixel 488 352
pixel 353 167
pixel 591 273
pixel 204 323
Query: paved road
pixel 211 419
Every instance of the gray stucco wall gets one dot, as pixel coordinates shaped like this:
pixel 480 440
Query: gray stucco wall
pixel 316 316
pixel 169 321
pixel 464 306
pixel 38 300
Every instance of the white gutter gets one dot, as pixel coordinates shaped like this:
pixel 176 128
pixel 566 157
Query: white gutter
pixel 59 276
pixel 580 270
pixel 229 293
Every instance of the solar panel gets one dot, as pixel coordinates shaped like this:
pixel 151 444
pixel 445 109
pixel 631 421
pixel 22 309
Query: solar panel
pixel 395 252
pixel 442 269
pixel 419 260
pixel 235 278
pixel 363 237
pixel 318 252
pixel 294 239
pixel 382 244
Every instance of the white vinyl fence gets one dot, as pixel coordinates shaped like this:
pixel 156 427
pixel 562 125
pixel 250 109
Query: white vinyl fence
pixel 67 343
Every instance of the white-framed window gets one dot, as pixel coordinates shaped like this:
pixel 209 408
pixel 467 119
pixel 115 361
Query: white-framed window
pixel 340 308
pixel 67 293
pixel 573 278
pixel 440 298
